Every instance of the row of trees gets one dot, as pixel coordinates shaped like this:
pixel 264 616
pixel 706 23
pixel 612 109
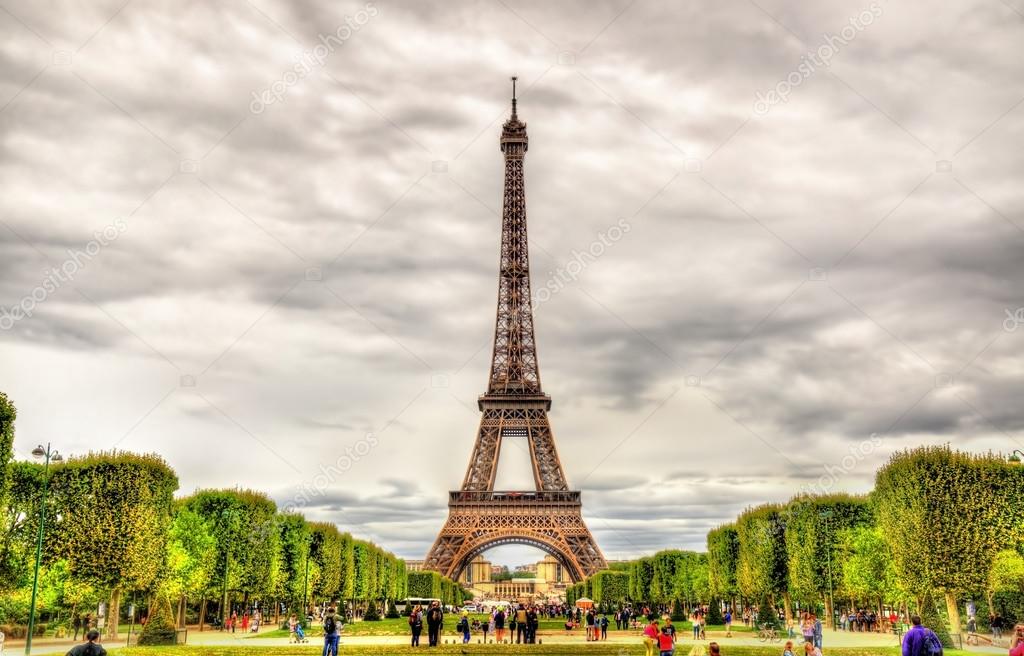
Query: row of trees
pixel 114 528
pixel 939 525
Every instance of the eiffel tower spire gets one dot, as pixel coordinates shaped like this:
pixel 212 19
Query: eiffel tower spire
pixel 515 408
pixel 514 368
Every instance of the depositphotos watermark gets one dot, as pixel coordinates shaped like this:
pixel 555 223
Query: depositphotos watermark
pixel 564 275
pixel 312 59
pixel 812 61
pixel 57 276
pixel 1014 319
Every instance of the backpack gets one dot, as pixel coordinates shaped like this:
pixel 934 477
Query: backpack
pixel 932 644
pixel 330 625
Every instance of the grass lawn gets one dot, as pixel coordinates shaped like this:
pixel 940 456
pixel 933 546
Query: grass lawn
pixel 594 649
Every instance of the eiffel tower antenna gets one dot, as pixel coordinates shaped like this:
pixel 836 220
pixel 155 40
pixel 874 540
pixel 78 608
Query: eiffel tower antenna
pixel 514 407
pixel 514 78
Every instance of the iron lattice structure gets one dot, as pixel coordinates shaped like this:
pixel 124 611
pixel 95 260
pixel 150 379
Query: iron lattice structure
pixel 514 407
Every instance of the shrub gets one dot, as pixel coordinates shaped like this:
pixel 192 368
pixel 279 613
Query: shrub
pixel 392 611
pixel 715 612
pixel 159 629
pixel 372 614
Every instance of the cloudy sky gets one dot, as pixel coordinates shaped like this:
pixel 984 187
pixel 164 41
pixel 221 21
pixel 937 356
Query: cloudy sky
pixel 275 233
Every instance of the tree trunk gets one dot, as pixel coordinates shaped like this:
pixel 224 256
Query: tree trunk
pixel 830 615
pixel 954 615
pixel 202 613
pixel 113 613
pixel 181 611
pixel 787 603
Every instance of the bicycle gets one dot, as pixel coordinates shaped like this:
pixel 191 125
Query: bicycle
pixel 768 634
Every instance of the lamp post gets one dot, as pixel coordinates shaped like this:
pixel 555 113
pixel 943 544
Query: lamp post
pixel 1016 456
pixel 47 454
pixel 827 515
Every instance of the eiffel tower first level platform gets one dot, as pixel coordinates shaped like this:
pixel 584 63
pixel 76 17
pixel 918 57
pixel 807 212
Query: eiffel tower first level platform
pixel 514 407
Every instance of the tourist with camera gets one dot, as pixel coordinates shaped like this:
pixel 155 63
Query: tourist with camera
pixel 1017 641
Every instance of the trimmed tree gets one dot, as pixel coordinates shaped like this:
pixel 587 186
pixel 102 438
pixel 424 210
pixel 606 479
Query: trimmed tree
pixel 159 628
pixel 723 556
pixel 113 512
pixel 761 570
pixel 943 514
pixel 813 527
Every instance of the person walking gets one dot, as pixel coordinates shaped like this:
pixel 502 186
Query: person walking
pixel 330 632
pixel 245 622
pixel 666 645
pixel 651 633
pixel 728 622
pixel 920 640
pixel 816 630
pixel 435 622
pixel 90 647
pixel 463 627
pixel 499 625
pixel 695 618
pixel 416 624
pixel 604 626
pixel 76 625
pixel 532 624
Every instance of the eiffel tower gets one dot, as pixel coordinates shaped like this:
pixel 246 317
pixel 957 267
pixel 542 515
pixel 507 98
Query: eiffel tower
pixel 548 517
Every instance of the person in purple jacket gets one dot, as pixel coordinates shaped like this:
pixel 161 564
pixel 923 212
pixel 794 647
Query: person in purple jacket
pixel 921 641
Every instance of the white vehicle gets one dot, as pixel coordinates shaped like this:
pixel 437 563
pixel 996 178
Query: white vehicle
pixel 469 608
pixel 413 602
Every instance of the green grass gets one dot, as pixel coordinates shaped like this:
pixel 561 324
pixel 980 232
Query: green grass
pixel 594 649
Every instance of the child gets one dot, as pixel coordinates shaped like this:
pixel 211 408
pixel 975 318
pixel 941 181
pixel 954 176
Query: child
pixel 665 644
pixel 788 651
pixel 811 650
pixel 464 627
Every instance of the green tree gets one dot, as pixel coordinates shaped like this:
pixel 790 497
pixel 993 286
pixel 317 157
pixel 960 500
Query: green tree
pixel 8 414
pixel 945 514
pixel 294 538
pixel 243 522
pixel 191 559
pixel 19 523
pixel 325 552
pixel 723 555
pixel 159 628
pixel 113 512
pixel 813 526
pixel 761 569
pixel 866 566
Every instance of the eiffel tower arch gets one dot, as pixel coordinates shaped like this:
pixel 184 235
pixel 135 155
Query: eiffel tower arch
pixel 549 516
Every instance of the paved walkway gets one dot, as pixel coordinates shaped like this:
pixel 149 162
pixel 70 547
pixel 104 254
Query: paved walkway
pixel 220 638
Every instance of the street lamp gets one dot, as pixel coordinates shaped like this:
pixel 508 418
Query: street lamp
pixel 1016 456
pixel 48 455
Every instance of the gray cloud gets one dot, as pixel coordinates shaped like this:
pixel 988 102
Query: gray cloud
pixel 326 268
